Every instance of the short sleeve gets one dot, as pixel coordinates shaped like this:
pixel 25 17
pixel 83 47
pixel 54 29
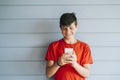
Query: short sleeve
pixel 87 56
pixel 49 53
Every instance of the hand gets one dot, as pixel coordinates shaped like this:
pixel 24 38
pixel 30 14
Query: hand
pixel 74 58
pixel 61 59
pixel 71 58
pixel 67 58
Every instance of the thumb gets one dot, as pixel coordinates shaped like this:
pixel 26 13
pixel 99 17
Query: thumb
pixel 73 52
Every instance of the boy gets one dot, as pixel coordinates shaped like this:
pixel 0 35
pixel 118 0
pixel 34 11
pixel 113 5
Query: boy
pixel 68 58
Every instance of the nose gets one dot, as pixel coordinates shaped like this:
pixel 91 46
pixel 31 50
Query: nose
pixel 68 31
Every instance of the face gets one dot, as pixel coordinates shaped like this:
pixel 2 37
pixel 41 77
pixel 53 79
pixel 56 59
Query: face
pixel 68 32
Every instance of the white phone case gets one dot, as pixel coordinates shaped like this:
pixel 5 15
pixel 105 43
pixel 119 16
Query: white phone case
pixel 68 50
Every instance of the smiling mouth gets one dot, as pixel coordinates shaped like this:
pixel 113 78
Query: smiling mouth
pixel 69 35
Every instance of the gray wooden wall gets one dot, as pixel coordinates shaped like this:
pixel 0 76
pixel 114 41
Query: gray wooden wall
pixel 28 26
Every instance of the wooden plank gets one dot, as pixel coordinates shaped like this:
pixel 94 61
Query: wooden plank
pixel 14 12
pixel 37 54
pixel 42 77
pixel 38 26
pixel 106 53
pixel 26 40
pixel 105 68
pixel 22 54
pixel 32 77
pixel 65 2
pixel 22 68
pixel 37 40
pixel 104 77
pixel 38 68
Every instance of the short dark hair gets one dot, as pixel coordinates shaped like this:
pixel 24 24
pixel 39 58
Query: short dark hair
pixel 67 19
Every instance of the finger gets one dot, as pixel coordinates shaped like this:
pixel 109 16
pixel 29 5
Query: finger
pixel 73 52
pixel 67 55
pixel 69 59
pixel 68 62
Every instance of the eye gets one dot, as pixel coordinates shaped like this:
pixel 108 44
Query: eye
pixel 64 28
pixel 71 28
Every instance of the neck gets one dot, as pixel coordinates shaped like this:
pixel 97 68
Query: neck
pixel 70 41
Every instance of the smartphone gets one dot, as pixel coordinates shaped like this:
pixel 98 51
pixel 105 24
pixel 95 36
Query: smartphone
pixel 68 50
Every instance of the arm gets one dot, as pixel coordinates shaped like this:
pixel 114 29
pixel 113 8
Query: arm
pixel 51 68
pixel 82 70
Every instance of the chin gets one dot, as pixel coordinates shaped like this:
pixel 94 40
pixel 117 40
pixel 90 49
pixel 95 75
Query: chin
pixel 69 37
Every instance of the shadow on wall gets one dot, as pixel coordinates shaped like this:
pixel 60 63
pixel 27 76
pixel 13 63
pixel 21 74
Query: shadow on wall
pixel 44 33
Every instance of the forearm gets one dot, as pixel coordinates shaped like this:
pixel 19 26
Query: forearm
pixel 50 71
pixel 81 70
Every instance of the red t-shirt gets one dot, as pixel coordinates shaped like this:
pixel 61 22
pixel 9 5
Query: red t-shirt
pixel 67 72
